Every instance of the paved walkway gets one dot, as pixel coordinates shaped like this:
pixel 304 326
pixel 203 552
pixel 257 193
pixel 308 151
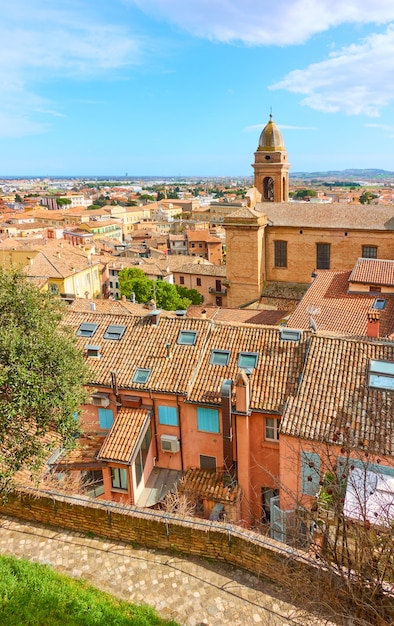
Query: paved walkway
pixel 191 591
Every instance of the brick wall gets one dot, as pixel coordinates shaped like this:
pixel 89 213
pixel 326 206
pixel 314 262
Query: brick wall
pixel 152 529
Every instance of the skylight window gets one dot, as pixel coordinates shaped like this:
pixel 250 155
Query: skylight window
pixel 247 360
pixel 288 334
pixel 114 332
pixel 86 329
pixel 220 357
pixel 379 304
pixel 187 337
pixel 93 351
pixel 381 374
pixel 141 375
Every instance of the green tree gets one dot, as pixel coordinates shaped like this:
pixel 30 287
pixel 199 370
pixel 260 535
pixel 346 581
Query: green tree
pixel 133 280
pixel 367 197
pixel 42 374
pixel 191 294
pixel 63 201
pixel 303 193
pixel 18 198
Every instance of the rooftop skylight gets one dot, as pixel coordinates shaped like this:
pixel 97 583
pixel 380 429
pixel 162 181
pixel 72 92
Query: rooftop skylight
pixel 87 329
pixel 141 375
pixel 381 374
pixel 220 357
pixel 114 332
pixel 247 360
pixel 187 337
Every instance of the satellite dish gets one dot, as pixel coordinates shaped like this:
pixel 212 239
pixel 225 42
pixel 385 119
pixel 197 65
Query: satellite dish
pixel 312 324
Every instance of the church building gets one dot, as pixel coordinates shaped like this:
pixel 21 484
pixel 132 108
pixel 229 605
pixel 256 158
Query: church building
pixel 275 239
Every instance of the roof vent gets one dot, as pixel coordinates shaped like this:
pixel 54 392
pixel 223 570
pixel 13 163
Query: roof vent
pixel 92 306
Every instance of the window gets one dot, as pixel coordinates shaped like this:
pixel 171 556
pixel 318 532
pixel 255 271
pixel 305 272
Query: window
pixel 267 493
pixel 87 330
pixel 220 357
pixel 381 374
pixel 323 256
pixel 379 304
pixel 141 375
pixel 198 282
pixel 193 245
pixel 272 428
pixel 93 351
pixel 310 473
pixel 119 478
pixel 168 415
pixel 106 418
pixel 53 288
pixel 370 252
pixel 93 483
pixel 208 462
pixel 114 332
pixel 208 420
pixel 142 455
pixel 280 253
pixel 187 337
pixel 288 334
pixel 181 280
pixel 247 360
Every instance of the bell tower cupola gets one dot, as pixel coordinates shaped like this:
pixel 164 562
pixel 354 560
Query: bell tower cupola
pixel 271 168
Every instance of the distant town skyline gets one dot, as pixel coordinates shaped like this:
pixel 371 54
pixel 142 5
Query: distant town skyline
pixel 168 88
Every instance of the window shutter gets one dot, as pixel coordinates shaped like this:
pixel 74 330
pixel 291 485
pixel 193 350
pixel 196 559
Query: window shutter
pixel 310 473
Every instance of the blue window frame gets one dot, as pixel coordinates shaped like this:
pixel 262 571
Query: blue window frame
pixel 220 357
pixel 207 420
pixel 187 337
pixel 141 375
pixel 247 360
pixel 87 330
pixel 114 332
pixel 106 418
pixel 310 473
pixel 168 415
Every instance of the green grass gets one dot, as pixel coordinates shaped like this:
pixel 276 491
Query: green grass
pixel 35 595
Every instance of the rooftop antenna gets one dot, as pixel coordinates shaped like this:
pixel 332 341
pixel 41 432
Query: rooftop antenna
pixel 312 310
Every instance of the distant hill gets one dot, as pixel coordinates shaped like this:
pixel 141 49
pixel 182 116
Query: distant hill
pixel 351 174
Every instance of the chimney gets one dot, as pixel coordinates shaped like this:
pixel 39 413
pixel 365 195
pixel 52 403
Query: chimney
pixel 242 393
pixel 168 348
pixel 204 314
pixel 373 325
pixel 228 457
pixel 92 306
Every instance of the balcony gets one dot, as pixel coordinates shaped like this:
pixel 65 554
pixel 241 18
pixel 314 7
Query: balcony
pixel 218 291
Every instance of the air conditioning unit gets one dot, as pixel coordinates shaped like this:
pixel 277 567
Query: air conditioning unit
pixel 100 400
pixel 169 443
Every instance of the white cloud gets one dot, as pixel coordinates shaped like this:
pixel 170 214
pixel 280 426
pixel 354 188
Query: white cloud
pixel 355 80
pixel 260 22
pixel 46 39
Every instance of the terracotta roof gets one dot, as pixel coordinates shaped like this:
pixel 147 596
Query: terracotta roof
pixel 209 485
pixel 143 345
pixel 83 455
pixel 201 269
pixel 337 310
pixel 373 272
pixel 202 235
pixel 245 316
pixel 336 215
pixel 275 377
pixel 334 401
pixel 124 435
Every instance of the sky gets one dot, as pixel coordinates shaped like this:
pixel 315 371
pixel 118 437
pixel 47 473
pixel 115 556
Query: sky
pixel 184 87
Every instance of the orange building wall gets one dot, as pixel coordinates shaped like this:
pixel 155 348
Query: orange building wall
pixel 301 249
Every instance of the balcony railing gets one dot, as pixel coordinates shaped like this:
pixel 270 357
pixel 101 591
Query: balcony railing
pixel 218 292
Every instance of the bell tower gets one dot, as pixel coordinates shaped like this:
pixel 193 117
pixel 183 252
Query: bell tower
pixel 271 169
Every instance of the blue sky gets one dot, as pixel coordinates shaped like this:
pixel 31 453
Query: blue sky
pixel 184 87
